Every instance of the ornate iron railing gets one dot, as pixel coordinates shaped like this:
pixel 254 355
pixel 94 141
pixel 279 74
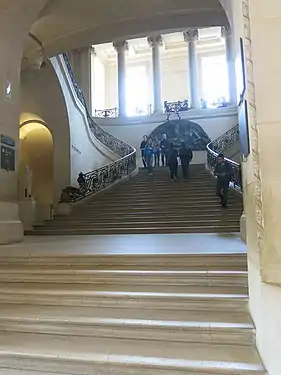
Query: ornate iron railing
pixel 107 113
pixel 221 144
pixel 107 175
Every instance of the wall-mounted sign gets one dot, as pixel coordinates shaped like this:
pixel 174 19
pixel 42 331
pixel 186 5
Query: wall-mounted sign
pixel 7 158
pixel 6 140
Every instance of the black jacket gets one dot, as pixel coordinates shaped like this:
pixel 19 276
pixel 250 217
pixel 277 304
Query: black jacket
pixel 172 157
pixel 164 144
pixel 223 171
pixel 185 154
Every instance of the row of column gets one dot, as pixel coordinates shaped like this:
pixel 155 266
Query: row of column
pixel 191 37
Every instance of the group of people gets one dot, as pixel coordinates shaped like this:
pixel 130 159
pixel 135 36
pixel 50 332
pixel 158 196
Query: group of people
pixel 153 151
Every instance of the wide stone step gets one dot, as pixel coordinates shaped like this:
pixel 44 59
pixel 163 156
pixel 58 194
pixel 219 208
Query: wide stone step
pixel 180 262
pixel 30 283
pixel 136 230
pixel 116 223
pixel 88 312
pixel 83 355
pixel 143 217
pixel 124 299
pixel 123 277
pixel 157 330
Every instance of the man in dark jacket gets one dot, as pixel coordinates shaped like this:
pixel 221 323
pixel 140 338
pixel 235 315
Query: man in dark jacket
pixel 173 161
pixel 164 145
pixel 223 171
pixel 186 155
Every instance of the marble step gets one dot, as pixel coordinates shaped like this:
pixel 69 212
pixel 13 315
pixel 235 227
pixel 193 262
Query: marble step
pixel 144 230
pixel 29 284
pixel 157 330
pixel 148 215
pixel 157 197
pixel 88 312
pixel 115 222
pixel 123 277
pixel 82 355
pixel 187 203
pixel 112 299
pixel 180 262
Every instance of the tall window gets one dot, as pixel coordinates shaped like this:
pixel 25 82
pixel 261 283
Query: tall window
pixel 136 86
pixel 215 79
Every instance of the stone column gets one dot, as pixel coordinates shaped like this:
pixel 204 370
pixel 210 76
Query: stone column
pixel 82 68
pixel 155 42
pixel 121 47
pixel 226 33
pixel 191 37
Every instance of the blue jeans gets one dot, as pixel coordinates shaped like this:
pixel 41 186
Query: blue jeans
pixel 149 163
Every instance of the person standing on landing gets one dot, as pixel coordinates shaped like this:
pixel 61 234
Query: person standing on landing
pixel 142 148
pixel 164 144
pixel 223 172
pixel 173 162
pixel 186 155
pixel 149 156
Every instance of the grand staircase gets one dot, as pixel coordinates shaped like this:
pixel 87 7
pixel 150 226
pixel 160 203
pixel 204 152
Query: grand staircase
pixel 126 314
pixel 153 205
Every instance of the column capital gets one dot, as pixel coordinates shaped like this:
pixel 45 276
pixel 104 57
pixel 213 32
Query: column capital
pixel 191 35
pixel 226 31
pixel 155 40
pixel 121 45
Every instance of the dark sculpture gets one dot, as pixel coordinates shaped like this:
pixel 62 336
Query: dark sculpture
pixel 182 130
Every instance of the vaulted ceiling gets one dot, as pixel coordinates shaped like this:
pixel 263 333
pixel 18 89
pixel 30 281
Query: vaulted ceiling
pixel 67 24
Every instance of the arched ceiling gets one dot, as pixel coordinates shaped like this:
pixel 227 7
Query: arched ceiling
pixel 67 24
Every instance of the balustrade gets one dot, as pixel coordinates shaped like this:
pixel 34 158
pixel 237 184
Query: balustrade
pixel 221 144
pixel 109 174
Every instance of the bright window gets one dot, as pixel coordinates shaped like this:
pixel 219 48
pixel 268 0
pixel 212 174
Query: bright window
pixel 215 79
pixel 136 86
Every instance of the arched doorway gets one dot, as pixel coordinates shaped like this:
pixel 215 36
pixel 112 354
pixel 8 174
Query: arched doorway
pixel 36 170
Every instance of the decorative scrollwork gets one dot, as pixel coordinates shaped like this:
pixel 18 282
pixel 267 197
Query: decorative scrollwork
pixel 226 140
pixel 107 175
pixel 107 113
pixel 221 144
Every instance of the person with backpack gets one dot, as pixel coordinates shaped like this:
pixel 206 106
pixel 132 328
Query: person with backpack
pixel 186 155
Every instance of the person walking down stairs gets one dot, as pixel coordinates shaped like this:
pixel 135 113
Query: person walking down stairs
pixel 223 172
pixel 186 155
pixel 173 161
pixel 149 156
pixel 142 150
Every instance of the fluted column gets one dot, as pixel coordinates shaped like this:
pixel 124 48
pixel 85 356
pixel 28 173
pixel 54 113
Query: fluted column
pixel 226 33
pixel 191 37
pixel 155 42
pixel 121 47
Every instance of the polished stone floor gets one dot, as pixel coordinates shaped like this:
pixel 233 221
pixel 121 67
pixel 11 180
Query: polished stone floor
pixel 127 244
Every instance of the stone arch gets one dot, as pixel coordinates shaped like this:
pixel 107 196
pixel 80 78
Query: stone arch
pixel 41 95
pixel 36 161
pixel 182 130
